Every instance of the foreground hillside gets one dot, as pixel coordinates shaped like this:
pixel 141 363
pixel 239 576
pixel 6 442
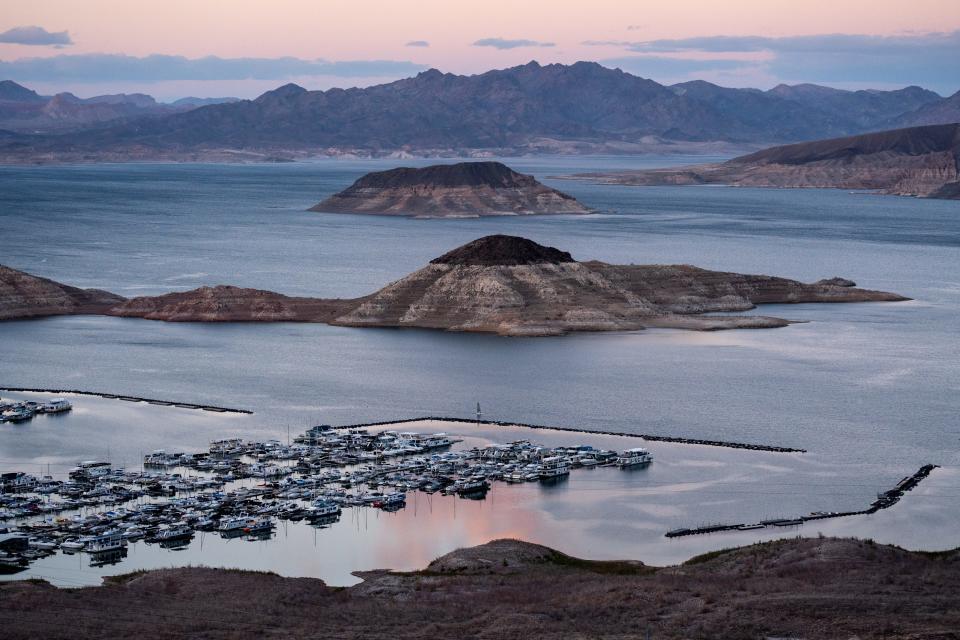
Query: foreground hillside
pixel 917 161
pixel 802 588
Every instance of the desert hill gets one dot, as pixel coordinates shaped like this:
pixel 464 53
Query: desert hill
pixel 915 161
pixel 446 190
pixel 23 296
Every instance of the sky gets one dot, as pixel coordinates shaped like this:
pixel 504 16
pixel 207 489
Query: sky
pixel 176 48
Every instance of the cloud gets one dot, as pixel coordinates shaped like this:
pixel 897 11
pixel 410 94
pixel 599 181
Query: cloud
pixel 927 59
pixel 96 67
pixel 418 43
pixel 833 43
pixel 503 43
pixel 661 66
pixel 35 36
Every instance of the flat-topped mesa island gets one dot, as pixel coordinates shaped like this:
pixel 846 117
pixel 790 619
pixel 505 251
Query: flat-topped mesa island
pixel 465 189
pixel 496 284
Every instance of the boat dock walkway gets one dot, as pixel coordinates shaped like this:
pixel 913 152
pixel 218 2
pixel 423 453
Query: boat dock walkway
pixel 653 438
pixel 884 500
pixel 113 396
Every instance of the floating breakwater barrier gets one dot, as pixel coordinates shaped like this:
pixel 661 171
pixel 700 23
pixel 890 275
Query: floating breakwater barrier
pixel 884 500
pixel 113 396
pixel 644 436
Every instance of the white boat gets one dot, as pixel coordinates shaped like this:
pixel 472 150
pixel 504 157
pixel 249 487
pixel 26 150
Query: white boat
pixel 90 469
pixel 234 524
pixel 107 541
pixel 633 457
pixel 72 545
pixel 392 500
pixel 554 467
pixel 57 405
pixel 176 532
pixel 322 509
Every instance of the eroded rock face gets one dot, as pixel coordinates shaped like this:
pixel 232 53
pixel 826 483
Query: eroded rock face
pixel 463 189
pixel 23 296
pixel 228 304
pixel 548 298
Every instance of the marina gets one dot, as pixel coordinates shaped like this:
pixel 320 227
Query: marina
pixel 323 472
pixel 358 486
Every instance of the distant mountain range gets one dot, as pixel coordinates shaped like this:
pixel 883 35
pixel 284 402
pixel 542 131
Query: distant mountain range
pixel 583 107
pixel 23 110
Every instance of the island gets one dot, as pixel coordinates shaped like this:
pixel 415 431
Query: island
pixel 465 189
pixel 916 161
pixel 500 284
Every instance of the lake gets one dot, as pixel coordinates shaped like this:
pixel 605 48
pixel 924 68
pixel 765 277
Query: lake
pixel 870 390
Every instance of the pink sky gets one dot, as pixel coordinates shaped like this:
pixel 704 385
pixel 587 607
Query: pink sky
pixel 379 30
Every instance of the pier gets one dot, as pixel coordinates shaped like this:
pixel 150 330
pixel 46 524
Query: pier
pixel 884 500
pixel 644 436
pixel 113 396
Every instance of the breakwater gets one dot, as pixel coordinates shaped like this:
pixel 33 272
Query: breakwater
pixel 113 396
pixel 884 500
pixel 644 436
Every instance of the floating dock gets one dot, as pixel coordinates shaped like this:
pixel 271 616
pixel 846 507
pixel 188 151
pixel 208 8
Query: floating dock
pixel 884 500
pixel 644 436
pixel 112 396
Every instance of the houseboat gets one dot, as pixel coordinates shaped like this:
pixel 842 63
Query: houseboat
pixel 634 457
pixel 554 467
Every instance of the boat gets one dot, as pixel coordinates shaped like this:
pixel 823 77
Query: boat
pixel 259 526
pixel 21 414
pixel 57 405
pixel 634 457
pixel 161 458
pixel 108 541
pixel 471 486
pixel 233 524
pixel 750 527
pixel 554 467
pixel 322 509
pixel 174 533
pixel 391 500
pixel 71 545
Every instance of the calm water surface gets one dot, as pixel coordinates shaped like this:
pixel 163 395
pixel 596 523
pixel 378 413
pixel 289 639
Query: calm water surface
pixel 870 390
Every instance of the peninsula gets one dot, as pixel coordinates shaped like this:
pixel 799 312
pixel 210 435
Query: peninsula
pixel 465 189
pixel 917 161
pixel 23 296
pixel 497 284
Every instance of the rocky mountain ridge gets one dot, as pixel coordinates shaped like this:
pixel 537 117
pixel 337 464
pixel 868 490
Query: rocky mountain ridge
pixel 580 108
